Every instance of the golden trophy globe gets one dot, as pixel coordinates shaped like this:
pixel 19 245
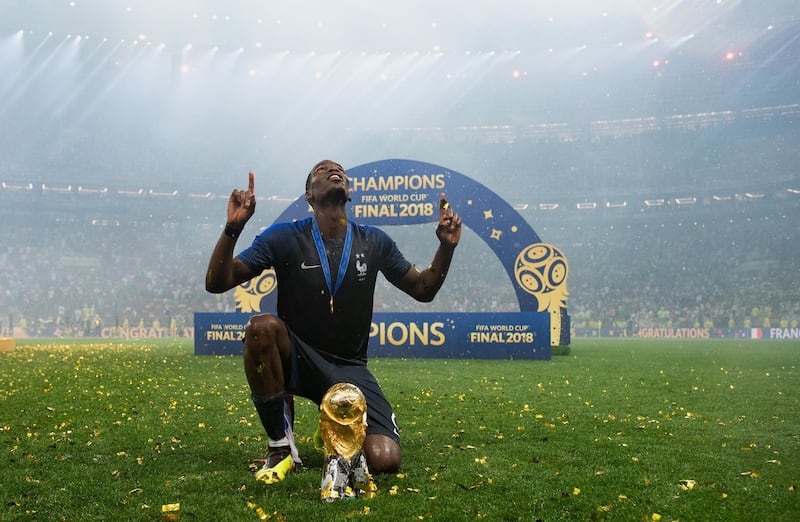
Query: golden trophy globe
pixel 343 420
pixel 343 426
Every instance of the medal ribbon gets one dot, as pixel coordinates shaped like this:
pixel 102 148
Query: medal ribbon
pixel 323 257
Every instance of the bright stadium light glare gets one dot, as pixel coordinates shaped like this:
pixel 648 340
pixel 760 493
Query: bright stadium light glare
pixel 125 192
pixel 160 194
pixel 61 189
pixel 7 186
pixel 87 190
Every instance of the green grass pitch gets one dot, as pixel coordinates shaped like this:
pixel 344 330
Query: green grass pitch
pixel 616 430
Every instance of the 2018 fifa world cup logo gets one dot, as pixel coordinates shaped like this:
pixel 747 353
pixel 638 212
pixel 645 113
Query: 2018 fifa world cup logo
pixel 248 295
pixel 541 270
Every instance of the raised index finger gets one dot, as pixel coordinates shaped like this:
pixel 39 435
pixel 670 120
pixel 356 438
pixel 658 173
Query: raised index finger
pixel 251 185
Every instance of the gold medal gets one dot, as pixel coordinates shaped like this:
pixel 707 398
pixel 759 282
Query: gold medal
pixel 323 258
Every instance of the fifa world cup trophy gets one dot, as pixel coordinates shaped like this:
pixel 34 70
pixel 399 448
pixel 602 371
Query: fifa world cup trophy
pixel 343 426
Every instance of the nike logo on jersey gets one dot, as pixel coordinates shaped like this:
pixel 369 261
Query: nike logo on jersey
pixel 304 266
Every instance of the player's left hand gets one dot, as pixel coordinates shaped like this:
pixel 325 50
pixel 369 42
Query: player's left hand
pixel 449 228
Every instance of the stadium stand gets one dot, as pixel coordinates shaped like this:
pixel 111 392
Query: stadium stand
pixel 711 243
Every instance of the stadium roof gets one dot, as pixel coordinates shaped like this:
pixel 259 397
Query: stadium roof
pixel 104 90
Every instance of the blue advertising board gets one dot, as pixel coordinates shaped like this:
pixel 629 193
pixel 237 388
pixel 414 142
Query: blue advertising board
pixel 417 335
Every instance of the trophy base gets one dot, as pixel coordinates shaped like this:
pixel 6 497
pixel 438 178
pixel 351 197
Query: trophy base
pixel 345 479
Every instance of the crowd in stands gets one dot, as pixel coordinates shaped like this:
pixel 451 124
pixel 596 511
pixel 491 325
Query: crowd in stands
pixel 734 273
pixel 82 276
pixel 670 269
pixel 736 269
pixel 82 266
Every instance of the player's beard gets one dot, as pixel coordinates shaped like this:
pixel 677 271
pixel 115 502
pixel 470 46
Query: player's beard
pixel 336 196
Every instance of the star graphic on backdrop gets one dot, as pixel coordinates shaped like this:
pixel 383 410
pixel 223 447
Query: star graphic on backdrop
pixel 487 214
pixel 496 234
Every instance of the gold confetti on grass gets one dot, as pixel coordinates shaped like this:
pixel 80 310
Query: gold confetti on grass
pixel 263 515
pixel 170 511
pixel 615 432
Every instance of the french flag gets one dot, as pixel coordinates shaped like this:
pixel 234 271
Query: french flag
pixel 755 333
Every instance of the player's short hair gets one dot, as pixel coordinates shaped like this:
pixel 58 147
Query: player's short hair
pixel 311 172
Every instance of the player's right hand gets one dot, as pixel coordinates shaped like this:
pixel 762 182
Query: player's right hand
pixel 242 204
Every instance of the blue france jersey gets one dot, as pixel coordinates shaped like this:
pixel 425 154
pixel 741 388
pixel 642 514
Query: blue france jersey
pixel 303 294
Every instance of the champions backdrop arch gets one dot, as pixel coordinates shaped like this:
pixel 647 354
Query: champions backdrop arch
pixel 406 192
